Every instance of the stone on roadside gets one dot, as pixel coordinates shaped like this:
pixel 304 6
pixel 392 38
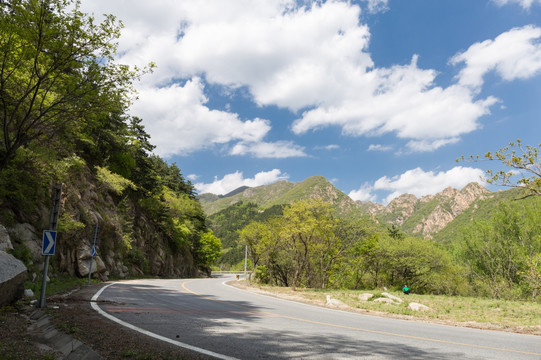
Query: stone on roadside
pixel 418 307
pixel 365 296
pixel 392 297
pixel 28 293
pixel 333 302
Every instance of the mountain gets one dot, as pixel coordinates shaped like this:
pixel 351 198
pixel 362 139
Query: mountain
pixel 279 193
pixel 428 215
pixel 481 210
pixel 424 217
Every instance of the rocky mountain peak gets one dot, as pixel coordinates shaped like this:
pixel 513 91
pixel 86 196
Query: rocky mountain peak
pixel 450 203
pixel 430 213
pixel 402 207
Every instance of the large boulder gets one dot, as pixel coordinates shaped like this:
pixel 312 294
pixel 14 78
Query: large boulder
pixel 12 277
pixel 84 257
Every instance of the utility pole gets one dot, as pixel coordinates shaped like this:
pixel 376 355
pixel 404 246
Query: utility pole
pixel 49 240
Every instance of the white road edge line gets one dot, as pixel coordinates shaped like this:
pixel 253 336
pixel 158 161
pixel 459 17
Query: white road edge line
pixel 151 334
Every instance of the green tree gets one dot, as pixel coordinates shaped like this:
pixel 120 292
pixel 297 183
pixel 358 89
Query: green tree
pixel 209 250
pixel 524 162
pixel 256 236
pixel 502 253
pixel 56 68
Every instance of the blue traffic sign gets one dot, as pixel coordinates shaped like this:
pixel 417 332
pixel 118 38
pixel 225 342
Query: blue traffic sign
pixel 94 251
pixel 49 242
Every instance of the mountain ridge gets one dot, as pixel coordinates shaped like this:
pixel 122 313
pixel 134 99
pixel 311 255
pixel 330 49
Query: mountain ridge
pixel 279 193
pixel 424 216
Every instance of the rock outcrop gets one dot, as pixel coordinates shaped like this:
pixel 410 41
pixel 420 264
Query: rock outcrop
pixel 5 241
pixel 429 214
pixel 12 277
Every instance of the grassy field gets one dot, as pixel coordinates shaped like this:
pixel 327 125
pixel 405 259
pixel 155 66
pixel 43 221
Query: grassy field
pixel 515 316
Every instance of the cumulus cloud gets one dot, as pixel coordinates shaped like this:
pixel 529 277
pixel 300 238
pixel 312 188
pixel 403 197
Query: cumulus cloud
pixel 401 100
pixel 364 193
pixel 307 55
pixel 515 54
pixel 525 4
pixel 379 147
pixel 375 6
pixel 417 182
pixel 277 150
pixel 420 183
pixel 235 180
pixel 180 122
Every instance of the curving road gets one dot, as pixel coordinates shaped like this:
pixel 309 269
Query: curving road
pixel 221 321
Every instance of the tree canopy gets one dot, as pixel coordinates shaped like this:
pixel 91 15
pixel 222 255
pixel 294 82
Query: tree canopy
pixel 56 69
pixel 524 167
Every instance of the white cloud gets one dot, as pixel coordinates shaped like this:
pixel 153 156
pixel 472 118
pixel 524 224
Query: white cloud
pixel 178 120
pixel 295 55
pixel 400 100
pixel 421 183
pixel 379 147
pixel 235 180
pixel 327 147
pixel 428 145
pixel 525 4
pixel 515 54
pixel 277 150
pixel 375 6
pixel 365 193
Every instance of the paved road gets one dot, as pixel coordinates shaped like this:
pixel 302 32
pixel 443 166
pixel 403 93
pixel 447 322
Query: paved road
pixel 209 316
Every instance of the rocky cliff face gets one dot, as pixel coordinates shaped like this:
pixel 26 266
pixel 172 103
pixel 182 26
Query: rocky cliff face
pixel 429 214
pixel 129 243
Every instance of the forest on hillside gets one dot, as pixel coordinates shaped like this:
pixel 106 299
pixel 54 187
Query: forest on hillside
pixel 64 120
pixel 492 250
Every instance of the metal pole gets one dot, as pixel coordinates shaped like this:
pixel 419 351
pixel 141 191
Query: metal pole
pixel 245 260
pixel 53 223
pixel 42 303
pixel 89 270
pixel 94 241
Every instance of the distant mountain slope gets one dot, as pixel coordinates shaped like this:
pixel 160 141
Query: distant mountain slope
pixel 282 192
pixel 481 210
pixel 431 216
pixel 428 215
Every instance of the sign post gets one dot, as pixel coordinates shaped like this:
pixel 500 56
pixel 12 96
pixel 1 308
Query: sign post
pixel 94 251
pixel 49 241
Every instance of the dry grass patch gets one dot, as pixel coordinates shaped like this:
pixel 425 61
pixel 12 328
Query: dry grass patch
pixel 514 316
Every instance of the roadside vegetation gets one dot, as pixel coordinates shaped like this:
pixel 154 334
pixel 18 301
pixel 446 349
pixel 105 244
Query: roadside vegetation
pixel 476 312
pixel 307 245
pixel 490 251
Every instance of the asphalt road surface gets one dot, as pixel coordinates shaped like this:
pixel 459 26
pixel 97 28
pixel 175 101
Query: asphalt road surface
pixel 208 316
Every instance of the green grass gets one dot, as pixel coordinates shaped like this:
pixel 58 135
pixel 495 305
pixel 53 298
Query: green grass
pixel 59 284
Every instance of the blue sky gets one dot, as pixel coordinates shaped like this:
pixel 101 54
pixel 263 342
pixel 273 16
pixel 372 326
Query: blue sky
pixel 378 96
